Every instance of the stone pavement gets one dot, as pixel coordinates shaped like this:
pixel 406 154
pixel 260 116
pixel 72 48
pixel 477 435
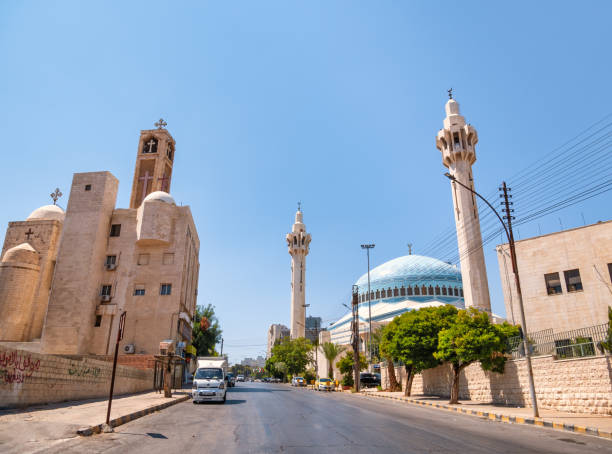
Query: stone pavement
pixel 599 425
pixel 32 426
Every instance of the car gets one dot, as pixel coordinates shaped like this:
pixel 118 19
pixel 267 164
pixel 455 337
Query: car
pixel 324 384
pixel 240 377
pixel 231 380
pixel 368 380
pixel 298 381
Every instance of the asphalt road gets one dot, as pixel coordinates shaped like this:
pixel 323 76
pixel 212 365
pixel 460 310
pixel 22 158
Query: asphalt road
pixel 267 418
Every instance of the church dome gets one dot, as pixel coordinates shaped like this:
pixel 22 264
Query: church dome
pixel 47 213
pixel 160 196
pixel 23 253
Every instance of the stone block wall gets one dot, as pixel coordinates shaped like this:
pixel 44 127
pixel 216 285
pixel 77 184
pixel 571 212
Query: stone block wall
pixel 581 385
pixel 28 378
pixel 138 361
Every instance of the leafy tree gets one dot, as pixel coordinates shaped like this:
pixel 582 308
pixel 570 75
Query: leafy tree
pixel 387 334
pixel 296 354
pixel 472 337
pixel 345 366
pixel 607 344
pixel 331 352
pixel 281 367
pixel 415 339
pixel 206 332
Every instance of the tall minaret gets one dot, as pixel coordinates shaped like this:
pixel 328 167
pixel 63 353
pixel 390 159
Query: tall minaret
pixel 457 142
pixel 298 242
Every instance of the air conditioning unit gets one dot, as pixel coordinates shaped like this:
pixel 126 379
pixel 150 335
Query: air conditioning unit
pixel 110 266
pixel 105 298
pixel 129 348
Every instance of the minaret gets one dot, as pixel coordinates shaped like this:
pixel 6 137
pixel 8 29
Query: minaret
pixel 298 242
pixel 153 169
pixel 457 142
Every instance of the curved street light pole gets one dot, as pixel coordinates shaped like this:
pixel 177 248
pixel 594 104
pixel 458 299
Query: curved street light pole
pixel 510 236
pixel 367 247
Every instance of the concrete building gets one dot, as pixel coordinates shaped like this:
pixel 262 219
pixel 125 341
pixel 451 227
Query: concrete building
pixel 566 278
pixel 313 328
pixel 298 242
pixel 276 333
pixel 84 267
pixel 259 362
pixel 457 142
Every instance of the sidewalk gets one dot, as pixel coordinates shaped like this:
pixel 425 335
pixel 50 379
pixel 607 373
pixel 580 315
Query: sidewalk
pixel 598 425
pixel 45 423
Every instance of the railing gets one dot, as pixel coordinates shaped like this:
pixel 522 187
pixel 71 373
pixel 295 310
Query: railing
pixel 576 343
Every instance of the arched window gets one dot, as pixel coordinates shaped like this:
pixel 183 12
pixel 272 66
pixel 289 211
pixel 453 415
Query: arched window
pixel 431 290
pixel 423 290
pixel 383 293
pixel 371 295
pixel 149 146
pixel 409 291
pixel 294 240
pixel 377 294
pixel 395 291
pixel 455 291
pixel 444 290
pixel 389 292
pixel 403 291
pixel 169 151
pixel 461 292
pixel 302 241
pixel 437 289
pixel 416 290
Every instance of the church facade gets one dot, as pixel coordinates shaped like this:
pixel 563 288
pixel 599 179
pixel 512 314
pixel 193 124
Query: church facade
pixel 66 277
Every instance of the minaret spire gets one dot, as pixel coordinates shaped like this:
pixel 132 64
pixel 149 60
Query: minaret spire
pixel 298 242
pixel 457 142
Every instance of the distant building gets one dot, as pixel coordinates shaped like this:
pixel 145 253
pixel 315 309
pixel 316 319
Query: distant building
pixel 259 362
pixel 313 327
pixel 566 278
pixel 276 333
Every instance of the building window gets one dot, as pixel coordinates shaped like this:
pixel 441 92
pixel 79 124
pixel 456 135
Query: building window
pixel 111 259
pixel 409 291
pixel 610 270
pixel 98 321
pixel 377 294
pixel 115 230
pixel 139 290
pixel 456 292
pixel 437 289
pixel 553 283
pixel 416 290
pixel 444 291
pixel 403 291
pixel 106 290
pixel 150 146
pixel 165 289
pixel 572 280
pixel 395 291
pixel 88 187
pixel 168 259
pixel 143 259
pixel 461 292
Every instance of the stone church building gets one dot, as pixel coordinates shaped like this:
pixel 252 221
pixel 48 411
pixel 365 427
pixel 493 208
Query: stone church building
pixel 66 277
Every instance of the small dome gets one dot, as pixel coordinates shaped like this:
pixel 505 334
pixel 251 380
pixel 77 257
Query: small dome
pixel 47 213
pixel 21 253
pixel 160 196
pixel 452 107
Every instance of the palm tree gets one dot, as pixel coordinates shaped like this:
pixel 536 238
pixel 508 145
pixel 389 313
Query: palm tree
pixel 331 351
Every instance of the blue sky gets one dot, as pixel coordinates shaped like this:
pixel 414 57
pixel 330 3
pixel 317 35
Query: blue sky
pixel 335 104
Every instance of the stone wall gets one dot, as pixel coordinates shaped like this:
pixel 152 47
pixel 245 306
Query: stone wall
pixel 581 385
pixel 28 378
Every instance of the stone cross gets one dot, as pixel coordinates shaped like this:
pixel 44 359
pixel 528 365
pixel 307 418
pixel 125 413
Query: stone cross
pixel 145 183
pixel 160 124
pixel 56 195
pixel 28 233
pixel 165 180
pixel 150 143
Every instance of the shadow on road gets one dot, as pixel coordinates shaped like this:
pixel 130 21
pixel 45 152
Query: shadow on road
pixel 235 401
pixel 255 390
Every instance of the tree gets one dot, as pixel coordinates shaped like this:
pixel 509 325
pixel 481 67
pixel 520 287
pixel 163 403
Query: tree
pixel 296 354
pixel 387 334
pixel 345 366
pixel 607 344
pixel 206 332
pixel 281 368
pixel 472 337
pixel 415 339
pixel 331 352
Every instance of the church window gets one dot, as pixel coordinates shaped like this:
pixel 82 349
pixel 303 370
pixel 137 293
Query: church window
pixel 111 259
pixel 573 283
pixel 431 290
pixel 98 321
pixel 553 283
pixel 444 290
pixel 115 230
pixel 168 258
pixel 409 291
pixel 88 187
pixel 437 289
pixel 143 259
pixel 150 146
pixel 165 289
pixel 106 290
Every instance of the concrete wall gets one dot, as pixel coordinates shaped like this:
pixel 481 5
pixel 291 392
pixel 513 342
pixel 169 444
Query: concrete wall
pixel 581 385
pixel 28 378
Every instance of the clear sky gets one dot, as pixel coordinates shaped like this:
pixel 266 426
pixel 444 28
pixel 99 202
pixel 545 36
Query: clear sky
pixel 332 103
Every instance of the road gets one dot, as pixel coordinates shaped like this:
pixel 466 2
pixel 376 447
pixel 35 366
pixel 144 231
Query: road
pixel 269 418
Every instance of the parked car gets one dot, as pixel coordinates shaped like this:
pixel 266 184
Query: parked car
pixel 368 380
pixel 324 384
pixel 231 380
pixel 240 377
pixel 298 381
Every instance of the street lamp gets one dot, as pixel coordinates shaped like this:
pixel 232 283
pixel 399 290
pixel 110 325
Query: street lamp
pixel 367 247
pixel 519 294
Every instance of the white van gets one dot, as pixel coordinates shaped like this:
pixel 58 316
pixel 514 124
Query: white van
pixel 210 380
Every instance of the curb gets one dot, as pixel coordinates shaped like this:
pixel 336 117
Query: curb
pixel 87 431
pixel 499 417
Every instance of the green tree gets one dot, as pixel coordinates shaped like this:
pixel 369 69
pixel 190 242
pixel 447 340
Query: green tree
pixel 606 345
pixel 331 352
pixel 204 340
pixel 472 337
pixel 296 354
pixel 345 366
pixel 281 367
pixel 387 336
pixel 415 339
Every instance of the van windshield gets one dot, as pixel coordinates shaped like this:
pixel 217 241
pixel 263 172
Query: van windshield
pixel 209 374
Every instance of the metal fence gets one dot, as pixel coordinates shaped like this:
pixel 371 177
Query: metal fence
pixel 576 343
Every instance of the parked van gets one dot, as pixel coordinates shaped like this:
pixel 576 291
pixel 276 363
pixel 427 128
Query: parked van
pixel 210 379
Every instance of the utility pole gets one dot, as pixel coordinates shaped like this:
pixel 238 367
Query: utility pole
pixel 519 295
pixel 355 307
pixel 221 354
pixel 367 247
pixel 107 427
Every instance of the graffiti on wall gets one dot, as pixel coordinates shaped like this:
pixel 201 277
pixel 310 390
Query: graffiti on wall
pixel 16 367
pixel 81 370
